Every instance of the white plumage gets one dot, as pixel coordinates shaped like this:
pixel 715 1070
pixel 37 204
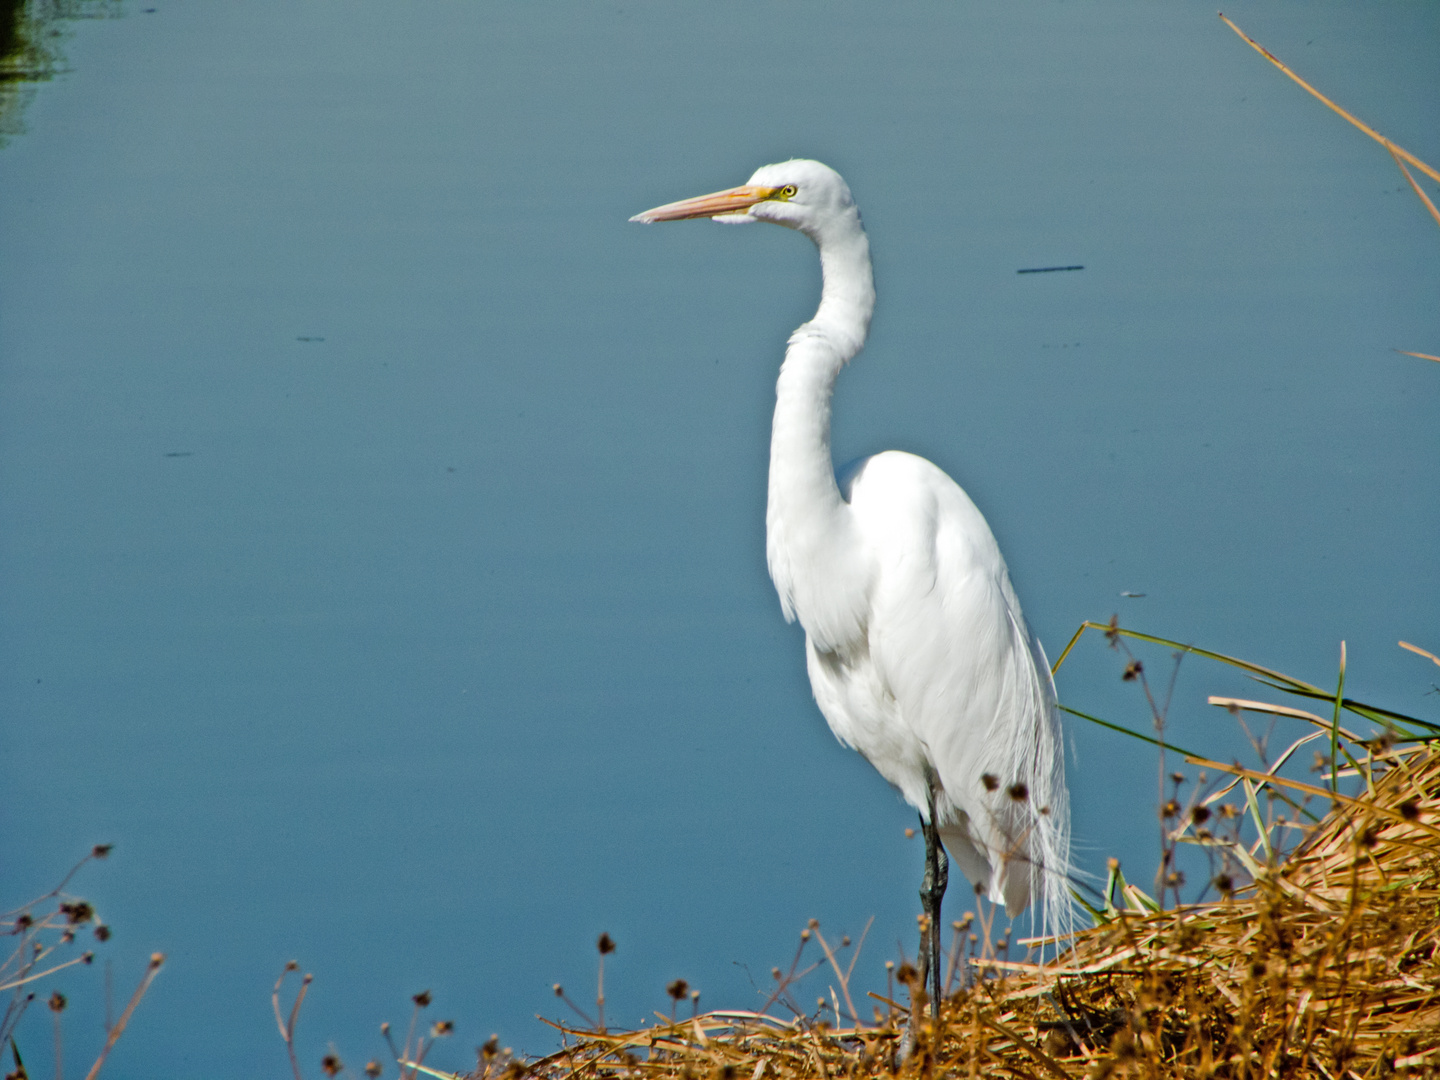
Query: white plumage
pixel 917 650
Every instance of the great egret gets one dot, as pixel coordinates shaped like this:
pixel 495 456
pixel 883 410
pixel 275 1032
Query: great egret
pixel 918 654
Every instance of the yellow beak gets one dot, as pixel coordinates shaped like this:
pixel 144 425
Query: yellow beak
pixel 734 201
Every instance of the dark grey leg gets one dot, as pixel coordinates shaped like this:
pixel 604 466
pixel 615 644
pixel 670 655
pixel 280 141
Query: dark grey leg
pixel 932 891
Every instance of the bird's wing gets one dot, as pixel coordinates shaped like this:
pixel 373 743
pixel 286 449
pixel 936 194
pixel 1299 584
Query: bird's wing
pixel 948 640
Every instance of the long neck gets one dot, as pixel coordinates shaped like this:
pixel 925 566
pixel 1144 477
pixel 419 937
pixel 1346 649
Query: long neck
pixel 809 542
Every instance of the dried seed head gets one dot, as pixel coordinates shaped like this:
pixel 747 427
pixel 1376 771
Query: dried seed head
pixel 1112 635
pixel 1170 809
pixel 1178 777
pixel 1410 809
pixel 559 990
pixel 24 921
pixel 373 1069
pixel 1200 814
pixel 1132 670
pixel 422 999
pixel 1018 791
pixel 990 780
pixel 57 1002
pixel 814 924
pixel 606 944
pixel 102 932
pixel 78 912
pixel 441 1028
pixel 906 973
pixel 805 934
pixel 331 1065
pixel 491 1047
pixel 890 965
pixel 694 995
pixel 909 834
pixel 1112 864
pixel 775 973
pixel 678 989
pixel 99 851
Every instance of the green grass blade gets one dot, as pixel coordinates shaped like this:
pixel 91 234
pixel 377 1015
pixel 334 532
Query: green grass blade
pixel 1113 880
pixel 1099 917
pixel 1276 680
pixel 1127 731
pixel 1138 900
pixel 1066 651
pixel 1244 665
pixel 1359 708
pixel 1254 805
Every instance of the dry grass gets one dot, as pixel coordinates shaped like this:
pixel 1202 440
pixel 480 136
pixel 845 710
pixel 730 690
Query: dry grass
pixel 1326 966
pixel 1319 959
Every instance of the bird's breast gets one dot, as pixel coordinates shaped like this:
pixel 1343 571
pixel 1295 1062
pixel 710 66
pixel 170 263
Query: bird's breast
pixel 863 713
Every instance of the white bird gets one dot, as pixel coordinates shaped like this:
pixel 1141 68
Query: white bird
pixel 918 654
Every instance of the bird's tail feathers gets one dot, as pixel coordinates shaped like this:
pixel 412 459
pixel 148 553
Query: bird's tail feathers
pixel 1049 803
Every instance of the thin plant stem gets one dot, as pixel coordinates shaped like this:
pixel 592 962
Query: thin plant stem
pixel 1398 151
pixel 1335 728
pixel 157 960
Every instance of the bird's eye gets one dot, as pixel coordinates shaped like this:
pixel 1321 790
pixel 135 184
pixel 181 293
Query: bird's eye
pixel 788 191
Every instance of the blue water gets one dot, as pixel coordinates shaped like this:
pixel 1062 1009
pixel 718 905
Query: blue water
pixel 382 515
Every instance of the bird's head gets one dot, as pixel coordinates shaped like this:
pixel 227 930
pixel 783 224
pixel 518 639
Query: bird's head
pixel 799 194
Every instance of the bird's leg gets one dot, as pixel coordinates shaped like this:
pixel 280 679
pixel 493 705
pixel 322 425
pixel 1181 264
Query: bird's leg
pixel 932 891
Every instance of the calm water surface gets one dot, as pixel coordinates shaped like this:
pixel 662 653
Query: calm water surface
pixel 382 515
